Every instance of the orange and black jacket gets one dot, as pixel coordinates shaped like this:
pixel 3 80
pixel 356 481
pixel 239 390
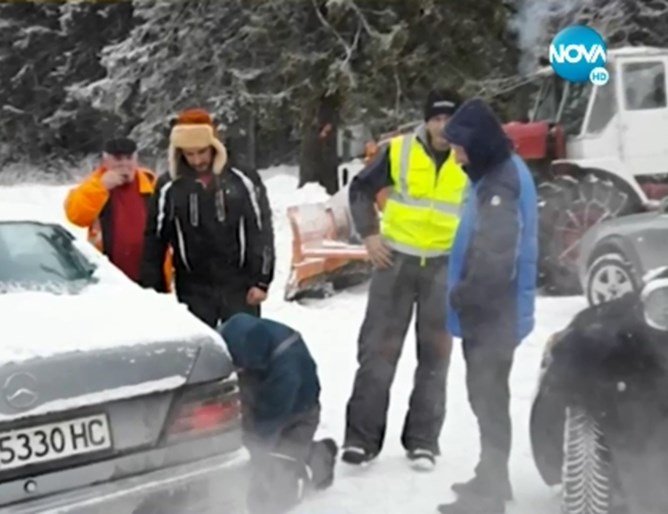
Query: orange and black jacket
pixel 88 206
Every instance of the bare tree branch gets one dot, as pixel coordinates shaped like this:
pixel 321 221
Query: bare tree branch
pixel 399 92
pixel 363 20
pixel 352 48
pixel 329 26
pixel 344 65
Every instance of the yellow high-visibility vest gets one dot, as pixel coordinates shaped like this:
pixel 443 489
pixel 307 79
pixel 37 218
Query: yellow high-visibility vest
pixel 422 213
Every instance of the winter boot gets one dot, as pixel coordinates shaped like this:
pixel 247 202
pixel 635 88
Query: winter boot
pixel 321 463
pixel 421 459
pixel 477 486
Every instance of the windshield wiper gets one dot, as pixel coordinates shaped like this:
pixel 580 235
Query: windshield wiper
pixel 54 271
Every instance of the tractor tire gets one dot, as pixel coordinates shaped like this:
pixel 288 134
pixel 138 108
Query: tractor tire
pixel 568 207
pixel 587 470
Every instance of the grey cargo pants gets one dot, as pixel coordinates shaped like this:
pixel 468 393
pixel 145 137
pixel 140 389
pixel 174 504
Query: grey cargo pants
pixel 394 293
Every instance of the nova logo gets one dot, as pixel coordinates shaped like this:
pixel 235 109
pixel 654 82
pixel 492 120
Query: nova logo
pixel 578 54
pixel 575 53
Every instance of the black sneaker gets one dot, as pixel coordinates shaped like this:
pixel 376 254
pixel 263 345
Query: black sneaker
pixel 422 459
pixel 356 455
pixel 478 487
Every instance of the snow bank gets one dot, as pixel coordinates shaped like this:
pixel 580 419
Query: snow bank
pixel 283 192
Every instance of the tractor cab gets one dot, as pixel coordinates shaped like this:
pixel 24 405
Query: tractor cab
pixel 560 102
pixel 611 160
pixel 557 113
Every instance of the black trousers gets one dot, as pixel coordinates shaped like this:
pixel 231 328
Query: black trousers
pixel 214 304
pixel 488 366
pixel 393 296
pixel 289 465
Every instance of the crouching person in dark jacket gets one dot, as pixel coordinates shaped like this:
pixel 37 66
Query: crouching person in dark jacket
pixel 492 282
pixel 280 394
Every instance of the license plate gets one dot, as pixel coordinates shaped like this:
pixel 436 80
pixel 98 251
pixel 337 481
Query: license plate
pixel 43 443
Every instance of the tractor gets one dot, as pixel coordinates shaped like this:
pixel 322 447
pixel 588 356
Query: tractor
pixel 597 152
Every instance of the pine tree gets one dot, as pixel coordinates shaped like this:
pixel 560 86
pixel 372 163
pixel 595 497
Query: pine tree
pixel 30 41
pixel 45 48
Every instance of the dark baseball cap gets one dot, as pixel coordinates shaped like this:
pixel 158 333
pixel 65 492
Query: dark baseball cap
pixel 120 146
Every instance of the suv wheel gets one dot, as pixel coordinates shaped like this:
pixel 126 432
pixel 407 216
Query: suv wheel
pixel 609 277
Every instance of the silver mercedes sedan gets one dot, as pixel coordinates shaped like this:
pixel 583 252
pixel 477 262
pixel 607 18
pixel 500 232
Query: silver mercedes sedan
pixel 112 398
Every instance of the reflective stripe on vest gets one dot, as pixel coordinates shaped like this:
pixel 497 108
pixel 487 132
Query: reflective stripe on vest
pixel 402 194
pixel 423 210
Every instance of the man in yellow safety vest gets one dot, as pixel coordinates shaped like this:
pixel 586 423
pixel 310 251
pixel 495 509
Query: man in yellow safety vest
pixel 410 252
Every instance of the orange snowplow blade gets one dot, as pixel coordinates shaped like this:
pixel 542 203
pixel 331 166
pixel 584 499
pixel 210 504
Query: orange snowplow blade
pixel 326 253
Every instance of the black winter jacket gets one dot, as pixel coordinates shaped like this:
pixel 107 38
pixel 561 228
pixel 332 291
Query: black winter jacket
pixel 221 234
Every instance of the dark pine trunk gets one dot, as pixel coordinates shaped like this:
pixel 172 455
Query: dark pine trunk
pixel 318 159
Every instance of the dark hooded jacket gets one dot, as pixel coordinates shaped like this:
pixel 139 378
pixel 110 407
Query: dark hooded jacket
pixel 279 376
pixel 492 272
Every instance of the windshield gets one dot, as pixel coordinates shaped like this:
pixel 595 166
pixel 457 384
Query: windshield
pixel 547 100
pixel 555 92
pixel 37 254
pixel 575 107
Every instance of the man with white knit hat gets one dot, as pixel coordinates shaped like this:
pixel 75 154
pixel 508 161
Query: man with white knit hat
pixel 218 222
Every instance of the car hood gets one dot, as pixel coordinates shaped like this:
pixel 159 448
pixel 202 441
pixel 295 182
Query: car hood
pixel 626 224
pixel 67 351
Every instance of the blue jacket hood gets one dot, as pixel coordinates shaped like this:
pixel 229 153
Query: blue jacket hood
pixel 476 128
pixel 252 340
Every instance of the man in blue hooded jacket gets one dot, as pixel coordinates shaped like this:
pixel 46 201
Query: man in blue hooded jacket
pixel 281 410
pixel 491 291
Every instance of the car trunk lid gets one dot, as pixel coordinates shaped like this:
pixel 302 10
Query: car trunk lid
pixel 73 380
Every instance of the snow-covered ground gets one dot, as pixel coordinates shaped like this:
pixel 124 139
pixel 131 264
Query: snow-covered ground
pixel 387 486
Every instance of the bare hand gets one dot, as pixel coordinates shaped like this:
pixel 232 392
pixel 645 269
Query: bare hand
pixel 379 253
pixel 112 178
pixel 256 296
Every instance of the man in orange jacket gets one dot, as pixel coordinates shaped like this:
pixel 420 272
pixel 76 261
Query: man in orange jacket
pixel 112 202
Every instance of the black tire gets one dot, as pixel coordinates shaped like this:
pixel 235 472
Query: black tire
pixel 587 470
pixel 610 276
pixel 568 207
pixel 546 430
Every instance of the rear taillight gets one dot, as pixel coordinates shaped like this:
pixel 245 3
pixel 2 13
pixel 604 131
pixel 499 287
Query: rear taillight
pixel 204 410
